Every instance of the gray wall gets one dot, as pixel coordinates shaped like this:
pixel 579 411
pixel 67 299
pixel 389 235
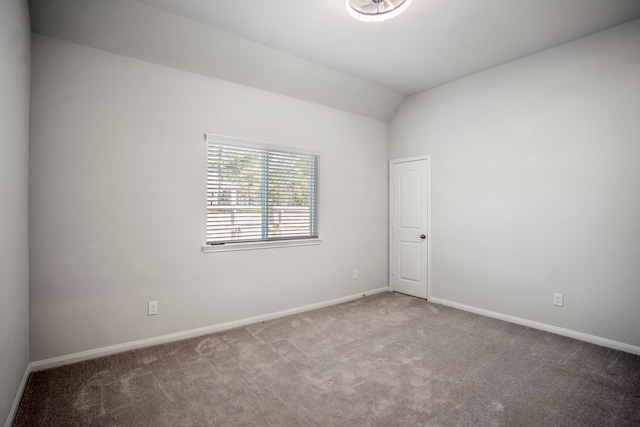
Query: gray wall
pixel 536 184
pixel 14 154
pixel 118 201
pixel 535 189
pixel 137 30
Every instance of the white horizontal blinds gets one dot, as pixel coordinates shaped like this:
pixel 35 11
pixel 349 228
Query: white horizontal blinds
pixel 256 193
pixel 234 193
pixel 291 195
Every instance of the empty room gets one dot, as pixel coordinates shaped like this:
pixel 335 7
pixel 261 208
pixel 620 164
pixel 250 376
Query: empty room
pixel 323 213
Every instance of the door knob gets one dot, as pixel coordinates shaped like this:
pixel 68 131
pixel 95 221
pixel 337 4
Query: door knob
pixel 422 236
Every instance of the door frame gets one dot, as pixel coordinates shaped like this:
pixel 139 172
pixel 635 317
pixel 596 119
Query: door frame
pixel 393 162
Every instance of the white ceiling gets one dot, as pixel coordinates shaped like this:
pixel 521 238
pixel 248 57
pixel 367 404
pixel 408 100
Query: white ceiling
pixel 433 42
pixel 313 49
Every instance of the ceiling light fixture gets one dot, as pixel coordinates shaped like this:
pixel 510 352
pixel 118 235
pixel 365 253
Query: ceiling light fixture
pixel 376 10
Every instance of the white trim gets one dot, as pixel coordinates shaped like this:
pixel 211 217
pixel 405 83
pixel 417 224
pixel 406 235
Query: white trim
pixel 429 238
pixel 119 348
pixel 229 247
pixel 426 157
pixel 410 159
pixel 604 342
pixel 18 398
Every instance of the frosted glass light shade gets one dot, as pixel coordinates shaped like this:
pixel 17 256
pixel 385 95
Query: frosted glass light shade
pixel 376 10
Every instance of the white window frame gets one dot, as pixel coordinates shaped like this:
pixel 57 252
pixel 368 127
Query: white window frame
pixel 261 244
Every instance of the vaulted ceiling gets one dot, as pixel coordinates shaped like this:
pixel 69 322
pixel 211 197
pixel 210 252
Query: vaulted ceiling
pixel 313 49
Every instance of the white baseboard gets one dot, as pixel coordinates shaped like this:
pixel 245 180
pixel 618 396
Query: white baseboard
pixel 604 342
pixel 16 401
pixel 163 339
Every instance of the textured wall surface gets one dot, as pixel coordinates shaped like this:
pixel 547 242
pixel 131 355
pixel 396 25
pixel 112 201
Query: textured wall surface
pixel 118 201
pixel 536 185
pixel 14 156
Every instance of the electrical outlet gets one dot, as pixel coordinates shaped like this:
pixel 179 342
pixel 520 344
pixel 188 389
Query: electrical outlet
pixel 355 274
pixel 152 307
pixel 558 299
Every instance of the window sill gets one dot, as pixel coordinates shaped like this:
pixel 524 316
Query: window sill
pixel 230 247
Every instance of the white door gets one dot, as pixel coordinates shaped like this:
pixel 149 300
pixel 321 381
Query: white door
pixel 410 226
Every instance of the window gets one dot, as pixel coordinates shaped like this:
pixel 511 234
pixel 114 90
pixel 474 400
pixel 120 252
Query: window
pixel 259 193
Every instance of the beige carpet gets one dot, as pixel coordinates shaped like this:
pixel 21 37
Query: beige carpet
pixel 386 360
